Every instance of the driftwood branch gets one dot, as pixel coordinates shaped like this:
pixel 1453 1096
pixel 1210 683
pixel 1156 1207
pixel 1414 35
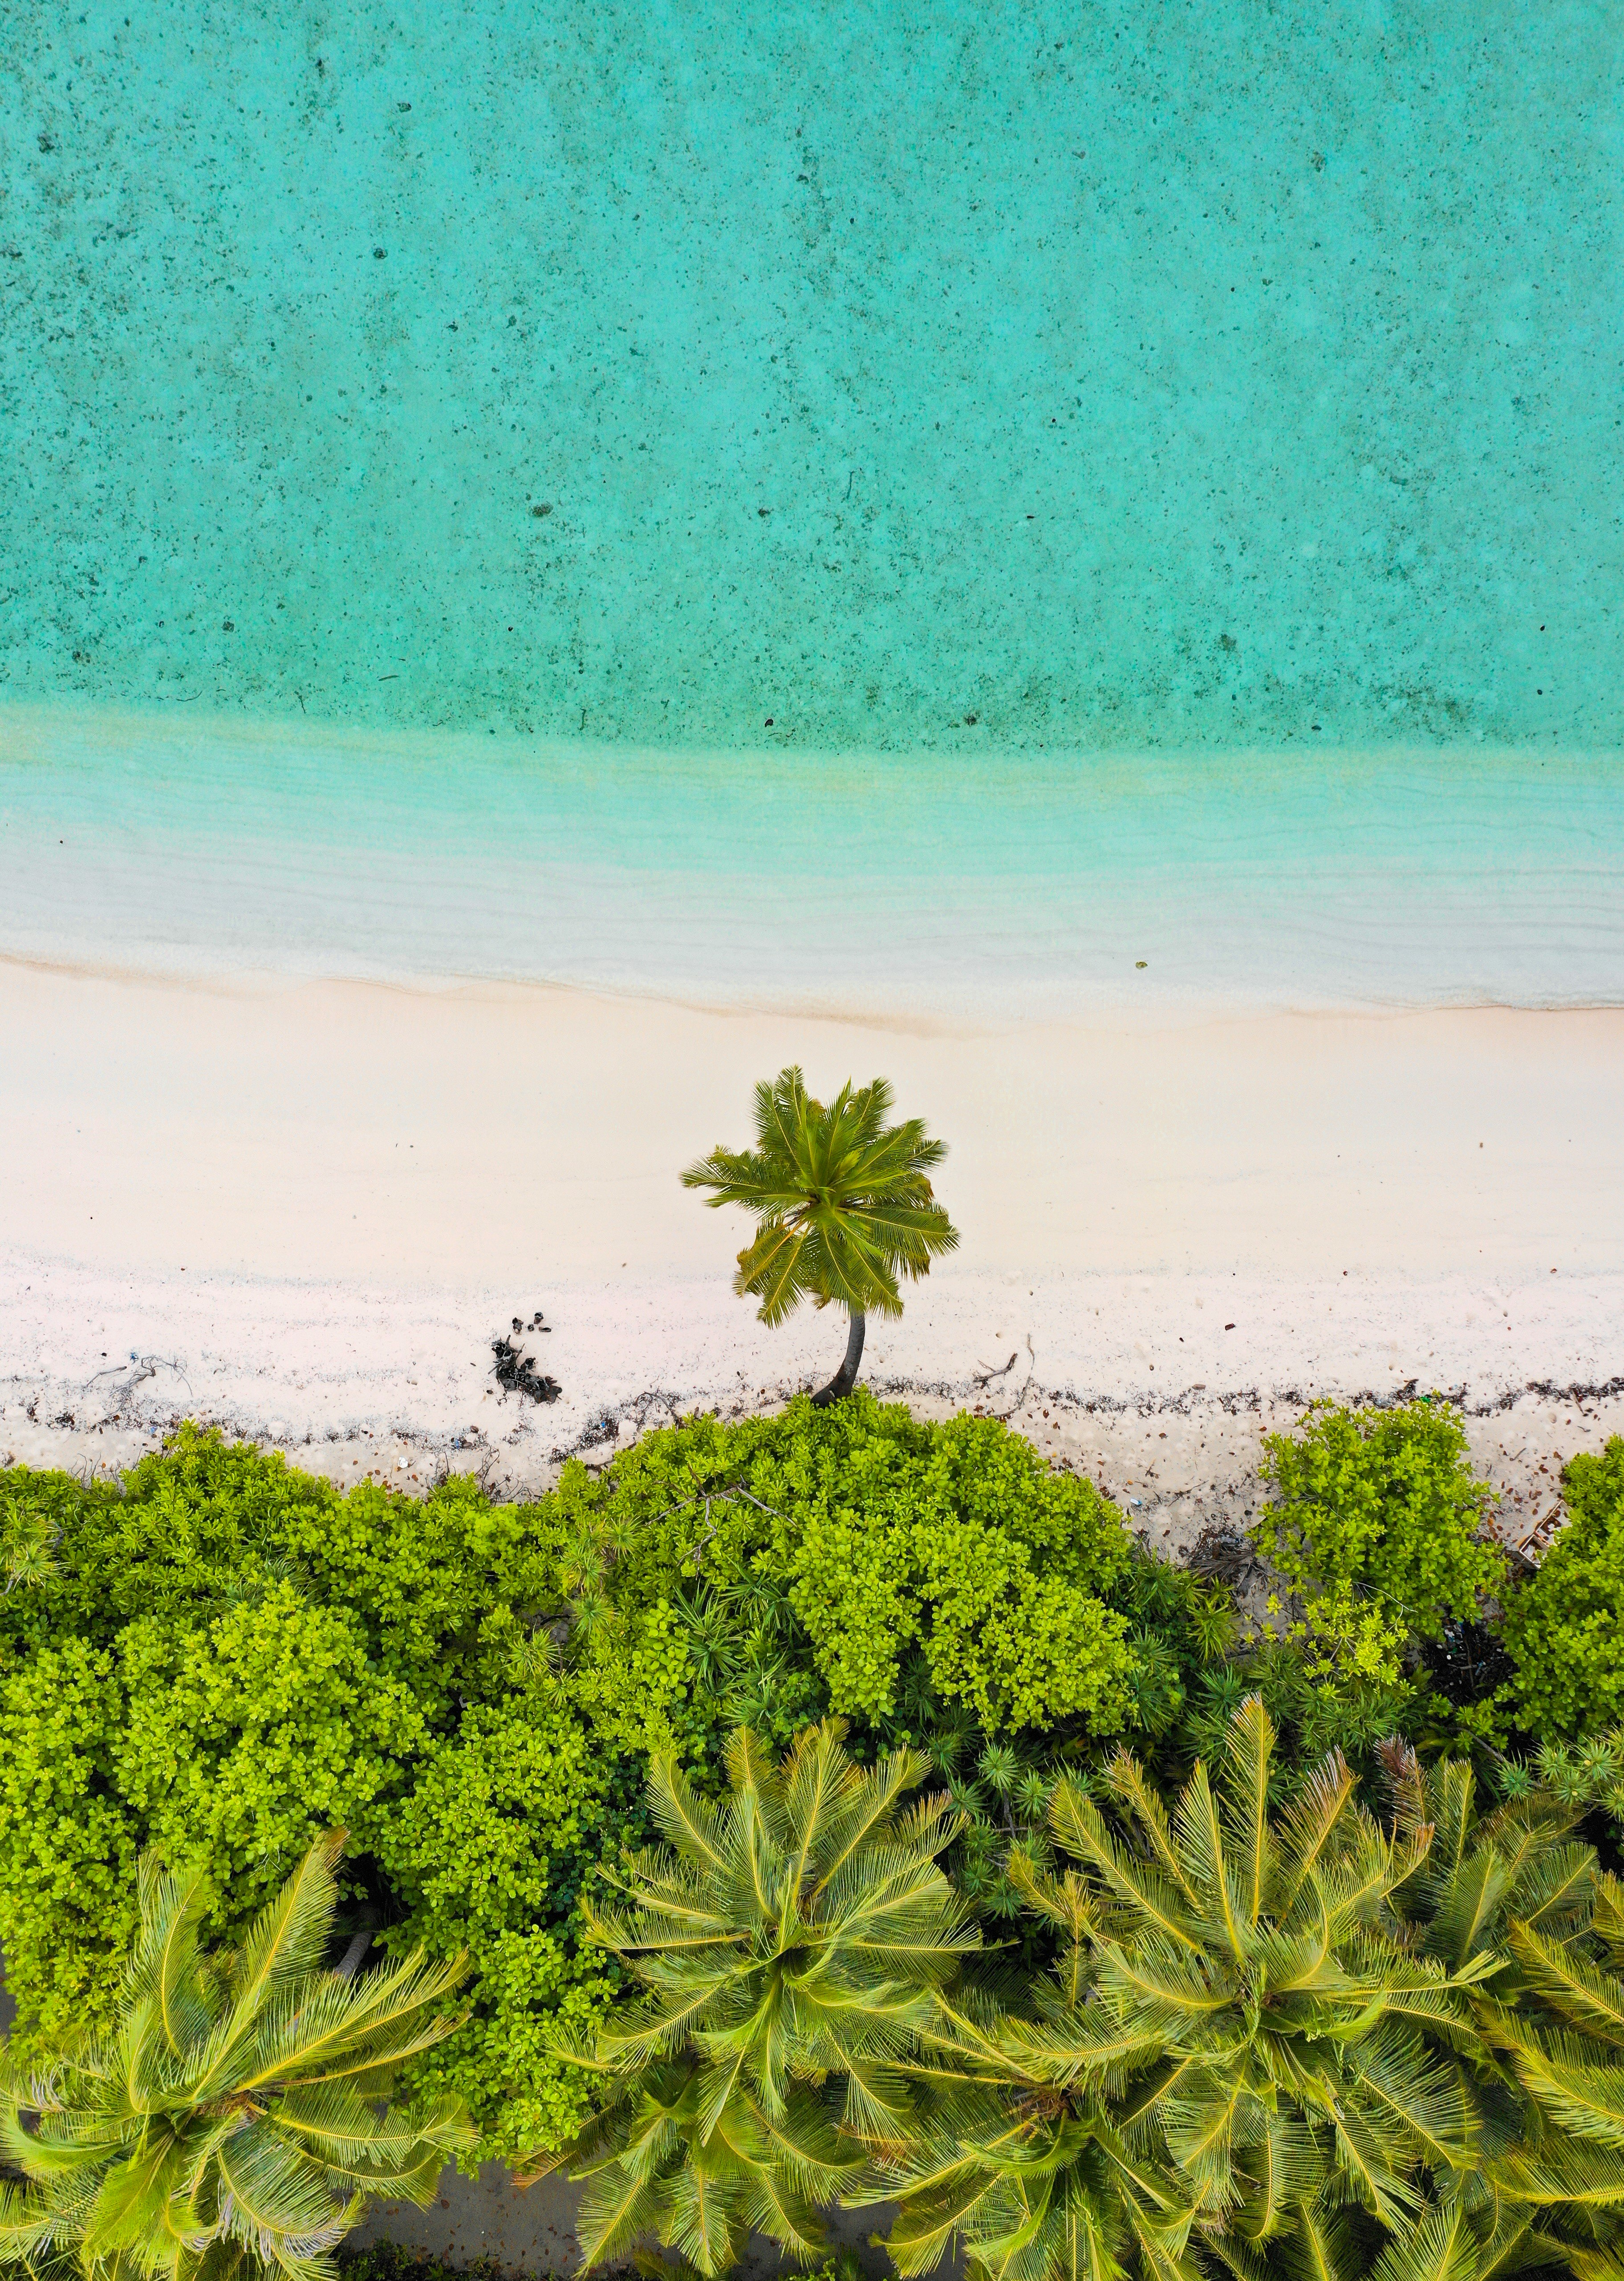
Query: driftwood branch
pixel 145 1367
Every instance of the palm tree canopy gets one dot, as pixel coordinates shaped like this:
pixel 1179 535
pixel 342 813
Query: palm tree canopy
pixel 1244 1978
pixel 1267 2047
pixel 1502 1887
pixel 235 2115
pixel 844 1199
pixel 789 1939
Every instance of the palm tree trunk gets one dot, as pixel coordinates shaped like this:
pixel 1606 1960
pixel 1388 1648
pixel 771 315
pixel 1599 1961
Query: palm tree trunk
pixel 349 1963
pixel 841 1384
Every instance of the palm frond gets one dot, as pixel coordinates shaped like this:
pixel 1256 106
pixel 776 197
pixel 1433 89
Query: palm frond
pixel 1565 2177
pixel 1249 1748
pixel 1467 1906
pixel 774 1270
pixel 1081 1828
pixel 706 2220
pixel 1592 2000
pixel 1198 1832
pixel 1374 2162
pixel 688 1822
pixel 1440 2247
pixel 1282 2168
pixel 1553 1890
pixel 1397 2080
pixel 287 1939
pixel 239 2111
pixel 163 1966
pixel 1583 2098
pixel 1128 1785
pixel 1320 2247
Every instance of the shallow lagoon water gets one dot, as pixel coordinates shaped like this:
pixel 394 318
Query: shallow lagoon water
pixel 1041 886
pixel 1128 427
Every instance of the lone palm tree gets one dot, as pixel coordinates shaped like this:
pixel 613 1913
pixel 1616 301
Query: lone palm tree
pixel 845 1205
pixel 236 2117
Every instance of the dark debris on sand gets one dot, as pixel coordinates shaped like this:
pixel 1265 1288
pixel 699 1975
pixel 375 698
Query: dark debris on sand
pixel 514 1371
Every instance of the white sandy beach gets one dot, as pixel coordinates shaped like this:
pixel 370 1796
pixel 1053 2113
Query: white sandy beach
pixel 304 1209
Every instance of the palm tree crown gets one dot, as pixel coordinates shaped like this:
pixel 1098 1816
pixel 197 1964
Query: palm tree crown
pixel 1281 2045
pixel 844 1201
pixel 790 1942
pixel 235 2117
pixel 1241 1970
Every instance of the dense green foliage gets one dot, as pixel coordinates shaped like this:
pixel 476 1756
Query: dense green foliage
pixel 223 1658
pixel 230 1658
pixel 945 1566
pixel 237 2113
pixel 1277 2044
pixel 1373 1520
pixel 1586 1775
pixel 935 1584
pixel 491 1852
pixel 1564 1626
pixel 960 1550
pixel 226 1656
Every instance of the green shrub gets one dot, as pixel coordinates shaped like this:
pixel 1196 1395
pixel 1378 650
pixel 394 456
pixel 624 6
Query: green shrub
pixel 1374 1522
pixel 869 1534
pixel 67 1842
pixel 228 1657
pixel 935 1583
pixel 1356 1716
pixel 254 1728
pixel 230 1740
pixel 960 1540
pixel 490 1853
pixel 1563 1627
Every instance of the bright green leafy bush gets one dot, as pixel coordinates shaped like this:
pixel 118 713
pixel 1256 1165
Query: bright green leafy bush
pixel 490 1853
pixel 1564 1626
pixel 229 1659
pixel 252 1725
pixel 957 1540
pixel 1374 1522
pixel 913 1568
pixel 67 1843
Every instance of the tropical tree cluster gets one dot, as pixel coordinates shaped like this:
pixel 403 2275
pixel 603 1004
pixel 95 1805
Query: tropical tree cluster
pixel 1316 2040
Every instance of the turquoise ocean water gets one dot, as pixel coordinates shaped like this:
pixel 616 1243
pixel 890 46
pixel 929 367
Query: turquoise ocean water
pixel 841 503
